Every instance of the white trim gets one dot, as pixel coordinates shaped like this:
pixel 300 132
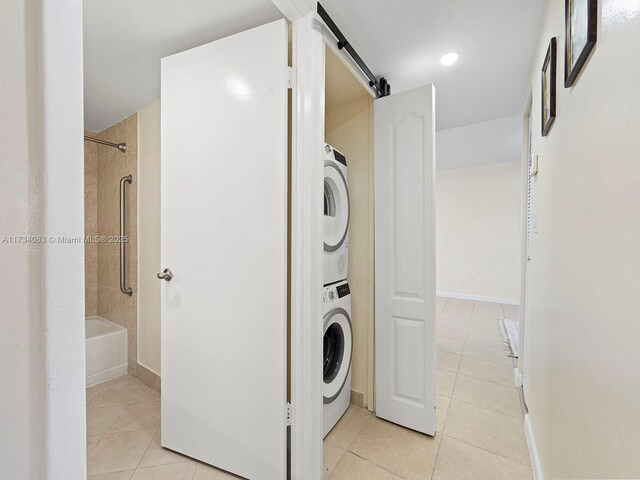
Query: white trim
pixel 371 333
pixel 517 377
pixel 307 178
pixel 536 466
pixel 63 215
pixel 100 377
pixel 526 268
pixel 294 9
pixel 478 298
pixel 138 243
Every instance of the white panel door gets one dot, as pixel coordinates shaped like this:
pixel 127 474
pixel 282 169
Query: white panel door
pixel 224 236
pixel 405 344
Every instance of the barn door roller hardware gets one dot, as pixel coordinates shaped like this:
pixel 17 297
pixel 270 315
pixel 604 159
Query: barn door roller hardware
pixel 381 86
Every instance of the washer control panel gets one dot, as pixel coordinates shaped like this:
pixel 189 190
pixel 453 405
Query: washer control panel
pixel 343 290
pixel 335 292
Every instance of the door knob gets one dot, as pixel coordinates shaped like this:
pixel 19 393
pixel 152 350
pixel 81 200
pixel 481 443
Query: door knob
pixel 166 275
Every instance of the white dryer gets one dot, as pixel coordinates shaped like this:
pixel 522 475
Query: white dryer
pixel 336 216
pixel 338 350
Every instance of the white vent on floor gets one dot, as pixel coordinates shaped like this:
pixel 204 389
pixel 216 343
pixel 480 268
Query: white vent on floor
pixel 511 332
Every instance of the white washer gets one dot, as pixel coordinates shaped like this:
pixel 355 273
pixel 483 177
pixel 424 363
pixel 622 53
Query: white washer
pixel 336 216
pixel 338 349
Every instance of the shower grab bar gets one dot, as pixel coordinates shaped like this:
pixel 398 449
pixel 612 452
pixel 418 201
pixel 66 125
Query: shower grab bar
pixel 123 289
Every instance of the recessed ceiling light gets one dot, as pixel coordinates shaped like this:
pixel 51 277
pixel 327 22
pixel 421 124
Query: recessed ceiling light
pixel 449 59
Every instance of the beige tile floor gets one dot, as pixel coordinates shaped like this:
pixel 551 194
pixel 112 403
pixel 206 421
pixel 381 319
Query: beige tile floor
pixel 480 431
pixel 123 437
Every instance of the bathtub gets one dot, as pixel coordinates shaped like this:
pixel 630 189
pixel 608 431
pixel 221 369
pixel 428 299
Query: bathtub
pixel 105 350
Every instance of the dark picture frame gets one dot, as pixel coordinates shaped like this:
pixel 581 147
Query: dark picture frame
pixel 585 39
pixel 548 88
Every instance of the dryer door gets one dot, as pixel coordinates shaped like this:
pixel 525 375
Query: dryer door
pixel 336 207
pixel 338 344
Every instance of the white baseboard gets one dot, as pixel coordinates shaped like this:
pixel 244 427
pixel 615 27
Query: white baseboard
pixel 479 298
pixel 106 375
pixel 517 377
pixel 533 449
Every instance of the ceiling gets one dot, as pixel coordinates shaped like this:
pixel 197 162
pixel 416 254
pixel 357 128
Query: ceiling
pixel 404 41
pixel 124 41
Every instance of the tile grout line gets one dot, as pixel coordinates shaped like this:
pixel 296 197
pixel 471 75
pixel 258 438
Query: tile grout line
pixel 374 463
pixel 125 406
pixel 444 425
pixel 485 380
pixel 145 451
pixel 487 409
pixel 488 451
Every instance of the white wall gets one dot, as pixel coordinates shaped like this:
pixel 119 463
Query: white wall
pixel 478 232
pixel 22 363
pixel 149 237
pixel 484 143
pixel 42 405
pixel 584 401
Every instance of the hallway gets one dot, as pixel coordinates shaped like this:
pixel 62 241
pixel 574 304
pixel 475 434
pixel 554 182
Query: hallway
pixel 480 427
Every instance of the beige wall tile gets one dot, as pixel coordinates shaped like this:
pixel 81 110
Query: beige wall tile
pixel 90 225
pixel 111 166
pixel 149 378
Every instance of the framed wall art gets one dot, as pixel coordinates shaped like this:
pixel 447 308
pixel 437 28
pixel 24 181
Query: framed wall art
pixel 581 34
pixel 548 88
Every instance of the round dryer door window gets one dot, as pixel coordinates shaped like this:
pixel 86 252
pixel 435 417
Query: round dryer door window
pixel 336 207
pixel 338 344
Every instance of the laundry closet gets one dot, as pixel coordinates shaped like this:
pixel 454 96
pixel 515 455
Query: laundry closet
pixel 247 131
pixel 348 129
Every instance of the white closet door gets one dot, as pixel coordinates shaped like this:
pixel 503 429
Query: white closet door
pixel 405 387
pixel 224 236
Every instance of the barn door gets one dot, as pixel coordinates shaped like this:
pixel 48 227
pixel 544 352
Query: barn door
pixel 224 238
pixel 405 346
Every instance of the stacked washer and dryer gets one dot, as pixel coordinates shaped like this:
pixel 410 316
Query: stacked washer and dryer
pixel 336 297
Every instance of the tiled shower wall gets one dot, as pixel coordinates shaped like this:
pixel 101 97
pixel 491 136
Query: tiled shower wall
pixel 90 226
pixel 111 166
